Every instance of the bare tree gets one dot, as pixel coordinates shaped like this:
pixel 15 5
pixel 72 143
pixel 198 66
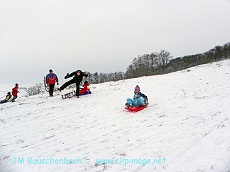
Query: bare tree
pixel 163 57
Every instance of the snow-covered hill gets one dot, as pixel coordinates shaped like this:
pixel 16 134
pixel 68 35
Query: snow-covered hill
pixel 186 127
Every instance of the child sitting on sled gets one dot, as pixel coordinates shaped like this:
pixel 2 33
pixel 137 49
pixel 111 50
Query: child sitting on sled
pixel 139 99
pixel 7 99
pixel 85 89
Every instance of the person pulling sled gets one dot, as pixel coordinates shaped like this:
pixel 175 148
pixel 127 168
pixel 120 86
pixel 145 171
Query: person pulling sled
pixel 15 92
pixel 51 79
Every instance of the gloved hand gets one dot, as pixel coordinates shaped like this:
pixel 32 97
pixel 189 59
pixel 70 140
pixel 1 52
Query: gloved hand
pixel 57 83
pixel 67 76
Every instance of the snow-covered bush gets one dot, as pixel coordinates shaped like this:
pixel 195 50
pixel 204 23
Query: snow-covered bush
pixel 35 90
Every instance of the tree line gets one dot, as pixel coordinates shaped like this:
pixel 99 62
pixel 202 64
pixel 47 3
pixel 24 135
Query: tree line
pixel 152 64
pixel 161 63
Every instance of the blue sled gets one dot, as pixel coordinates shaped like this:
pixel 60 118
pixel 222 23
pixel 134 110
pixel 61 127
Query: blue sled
pixel 89 92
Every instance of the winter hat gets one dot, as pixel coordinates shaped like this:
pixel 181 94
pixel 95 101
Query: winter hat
pixel 50 70
pixel 137 89
pixel 86 82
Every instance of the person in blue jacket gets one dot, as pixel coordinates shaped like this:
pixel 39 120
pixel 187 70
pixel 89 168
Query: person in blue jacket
pixel 139 99
pixel 51 79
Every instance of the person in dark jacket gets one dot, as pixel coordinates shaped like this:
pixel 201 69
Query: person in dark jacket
pixel 77 78
pixel 51 79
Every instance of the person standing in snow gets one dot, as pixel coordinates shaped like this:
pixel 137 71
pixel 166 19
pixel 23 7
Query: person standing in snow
pixel 51 79
pixel 15 92
pixel 139 99
pixel 77 78
pixel 7 99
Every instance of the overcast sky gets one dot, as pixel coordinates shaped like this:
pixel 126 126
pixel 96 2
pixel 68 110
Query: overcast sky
pixel 102 35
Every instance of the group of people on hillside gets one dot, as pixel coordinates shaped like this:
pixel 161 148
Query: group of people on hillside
pixel 11 97
pixel 52 78
pixel 139 98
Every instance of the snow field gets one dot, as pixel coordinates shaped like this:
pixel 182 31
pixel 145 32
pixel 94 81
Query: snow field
pixel 187 123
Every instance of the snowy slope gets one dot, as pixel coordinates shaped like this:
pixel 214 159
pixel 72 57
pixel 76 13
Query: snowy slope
pixel 186 126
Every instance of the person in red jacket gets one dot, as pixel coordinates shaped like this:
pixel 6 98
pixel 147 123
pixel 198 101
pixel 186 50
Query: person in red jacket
pixel 51 79
pixel 85 88
pixel 15 92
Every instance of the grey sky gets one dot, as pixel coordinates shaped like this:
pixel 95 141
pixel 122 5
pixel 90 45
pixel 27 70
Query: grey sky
pixel 102 35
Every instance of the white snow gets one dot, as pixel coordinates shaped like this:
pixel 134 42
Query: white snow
pixel 186 126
